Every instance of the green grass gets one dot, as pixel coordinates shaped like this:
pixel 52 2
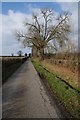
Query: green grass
pixel 69 97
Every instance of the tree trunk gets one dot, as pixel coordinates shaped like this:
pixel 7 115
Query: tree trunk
pixel 42 54
pixel 38 53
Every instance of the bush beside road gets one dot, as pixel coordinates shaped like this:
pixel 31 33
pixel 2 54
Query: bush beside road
pixel 10 65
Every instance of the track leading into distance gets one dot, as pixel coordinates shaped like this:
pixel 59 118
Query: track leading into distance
pixel 24 96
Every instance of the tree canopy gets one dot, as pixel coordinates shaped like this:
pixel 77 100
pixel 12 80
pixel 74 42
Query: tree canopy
pixel 46 27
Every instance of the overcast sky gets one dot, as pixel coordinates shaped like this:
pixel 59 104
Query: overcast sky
pixel 14 13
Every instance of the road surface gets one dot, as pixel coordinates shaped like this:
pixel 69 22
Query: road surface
pixel 24 96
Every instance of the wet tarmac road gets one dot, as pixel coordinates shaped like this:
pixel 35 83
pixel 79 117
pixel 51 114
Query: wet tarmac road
pixel 24 96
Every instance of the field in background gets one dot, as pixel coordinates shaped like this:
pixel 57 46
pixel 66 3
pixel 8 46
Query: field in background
pixel 65 66
pixel 9 65
pixel 67 60
pixel 63 72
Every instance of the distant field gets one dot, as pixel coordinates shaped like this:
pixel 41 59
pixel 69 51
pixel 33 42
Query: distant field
pixel 9 65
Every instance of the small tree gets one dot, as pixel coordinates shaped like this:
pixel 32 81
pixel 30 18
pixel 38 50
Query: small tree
pixel 41 33
pixel 25 54
pixel 29 55
pixel 19 53
pixel 12 54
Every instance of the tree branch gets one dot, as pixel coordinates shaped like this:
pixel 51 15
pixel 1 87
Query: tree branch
pixel 54 31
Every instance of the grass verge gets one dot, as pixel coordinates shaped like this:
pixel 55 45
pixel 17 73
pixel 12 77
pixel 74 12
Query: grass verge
pixel 68 96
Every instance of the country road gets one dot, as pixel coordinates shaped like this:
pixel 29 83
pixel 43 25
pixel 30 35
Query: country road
pixel 24 96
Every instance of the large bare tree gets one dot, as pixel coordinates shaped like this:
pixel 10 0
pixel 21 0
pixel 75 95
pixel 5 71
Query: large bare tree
pixel 43 30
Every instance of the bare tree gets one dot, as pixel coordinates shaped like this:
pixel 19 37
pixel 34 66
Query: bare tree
pixel 12 54
pixel 41 33
pixel 19 53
